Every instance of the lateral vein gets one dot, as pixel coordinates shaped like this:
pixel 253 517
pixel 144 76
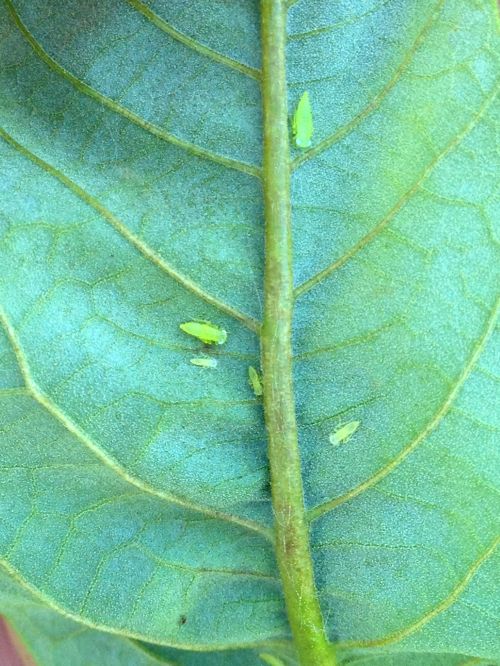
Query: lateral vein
pixel 134 240
pixel 150 127
pixel 57 413
pixel 193 44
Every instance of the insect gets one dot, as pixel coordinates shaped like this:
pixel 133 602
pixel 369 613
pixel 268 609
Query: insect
pixel 270 659
pixel 254 380
pixel 344 432
pixel 203 362
pixel 182 620
pixel 302 122
pixel 208 333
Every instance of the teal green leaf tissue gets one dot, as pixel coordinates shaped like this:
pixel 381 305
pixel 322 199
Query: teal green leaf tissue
pixel 344 507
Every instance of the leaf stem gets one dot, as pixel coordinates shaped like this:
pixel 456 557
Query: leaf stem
pixel 292 532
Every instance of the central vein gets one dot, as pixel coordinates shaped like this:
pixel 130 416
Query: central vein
pixel 292 532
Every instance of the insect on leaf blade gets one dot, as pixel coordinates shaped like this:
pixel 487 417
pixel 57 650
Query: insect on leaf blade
pixel 254 380
pixel 204 362
pixel 208 333
pixel 343 433
pixel 303 124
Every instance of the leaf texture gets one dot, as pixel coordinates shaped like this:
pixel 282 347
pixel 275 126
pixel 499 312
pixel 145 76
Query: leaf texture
pixel 134 486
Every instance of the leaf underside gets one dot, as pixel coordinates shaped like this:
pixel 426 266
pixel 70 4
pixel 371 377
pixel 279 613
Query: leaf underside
pixel 135 515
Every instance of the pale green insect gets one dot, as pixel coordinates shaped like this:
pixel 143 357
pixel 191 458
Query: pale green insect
pixel 209 333
pixel 344 432
pixel 270 659
pixel 302 122
pixel 203 362
pixel 254 380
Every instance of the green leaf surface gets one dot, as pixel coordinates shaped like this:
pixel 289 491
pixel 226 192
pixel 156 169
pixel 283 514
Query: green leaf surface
pixel 57 641
pixel 54 640
pixel 134 486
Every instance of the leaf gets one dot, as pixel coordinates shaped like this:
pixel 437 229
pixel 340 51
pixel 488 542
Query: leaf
pixel 12 652
pixel 134 488
pixel 57 641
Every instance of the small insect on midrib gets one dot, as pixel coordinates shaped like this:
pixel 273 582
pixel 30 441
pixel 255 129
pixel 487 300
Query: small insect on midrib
pixel 254 380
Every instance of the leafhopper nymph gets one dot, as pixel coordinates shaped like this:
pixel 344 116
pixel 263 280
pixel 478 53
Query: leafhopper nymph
pixel 302 122
pixel 343 433
pixel 254 380
pixel 203 362
pixel 208 333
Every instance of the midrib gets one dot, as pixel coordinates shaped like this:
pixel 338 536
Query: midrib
pixel 291 528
